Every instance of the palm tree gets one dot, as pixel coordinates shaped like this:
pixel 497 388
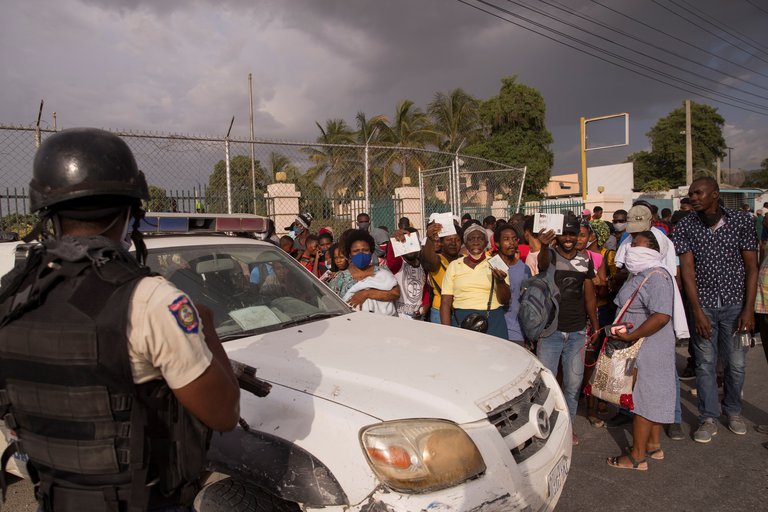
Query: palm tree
pixel 329 162
pixel 371 132
pixel 410 128
pixel 456 119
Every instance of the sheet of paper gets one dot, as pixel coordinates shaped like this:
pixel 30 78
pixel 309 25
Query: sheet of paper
pixel 547 221
pixel 497 262
pixel 254 317
pixel 445 220
pixel 410 245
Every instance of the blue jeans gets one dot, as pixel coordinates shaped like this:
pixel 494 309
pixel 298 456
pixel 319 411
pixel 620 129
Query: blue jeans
pixel 724 322
pixel 434 315
pixel 569 346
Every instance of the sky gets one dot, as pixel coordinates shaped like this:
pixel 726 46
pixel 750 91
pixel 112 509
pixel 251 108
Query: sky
pixel 181 66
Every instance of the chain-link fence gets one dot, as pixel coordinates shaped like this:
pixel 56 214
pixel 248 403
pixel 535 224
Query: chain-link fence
pixel 281 179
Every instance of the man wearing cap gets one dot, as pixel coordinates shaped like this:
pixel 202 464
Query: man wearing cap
pixel 299 231
pixel 718 260
pixel 573 276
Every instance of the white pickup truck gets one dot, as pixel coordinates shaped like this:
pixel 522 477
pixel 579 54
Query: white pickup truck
pixel 365 412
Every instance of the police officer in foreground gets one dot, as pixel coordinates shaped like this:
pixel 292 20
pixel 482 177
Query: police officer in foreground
pixel 109 376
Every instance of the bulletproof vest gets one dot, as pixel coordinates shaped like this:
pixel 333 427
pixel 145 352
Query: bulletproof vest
pixel 94 439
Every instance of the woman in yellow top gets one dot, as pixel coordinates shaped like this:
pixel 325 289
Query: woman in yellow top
pixel 467 286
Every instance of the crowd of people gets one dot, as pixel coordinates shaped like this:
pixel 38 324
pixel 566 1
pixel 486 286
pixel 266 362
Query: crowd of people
pixel 685 277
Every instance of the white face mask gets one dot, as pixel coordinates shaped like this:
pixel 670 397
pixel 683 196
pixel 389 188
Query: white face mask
pixel 642 258
pixel 620 226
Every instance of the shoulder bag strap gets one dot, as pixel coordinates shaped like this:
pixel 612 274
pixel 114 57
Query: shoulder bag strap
pixel 632 298
pixel 490 295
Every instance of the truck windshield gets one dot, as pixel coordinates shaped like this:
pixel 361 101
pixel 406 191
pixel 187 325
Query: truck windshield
pixel 249 288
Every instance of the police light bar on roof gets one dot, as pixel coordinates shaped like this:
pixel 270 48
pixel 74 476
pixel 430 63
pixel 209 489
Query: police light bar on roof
pixel 167 223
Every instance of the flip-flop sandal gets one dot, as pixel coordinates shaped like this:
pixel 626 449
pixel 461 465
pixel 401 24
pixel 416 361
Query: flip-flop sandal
pixel 614 462
pixel 596 422
pixel 657 454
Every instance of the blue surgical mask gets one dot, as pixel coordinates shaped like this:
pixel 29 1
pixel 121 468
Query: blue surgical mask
pixel 361 260
pixel 363 225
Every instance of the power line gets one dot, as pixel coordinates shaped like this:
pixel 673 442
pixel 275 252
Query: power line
pixel 721 25
pixel 672 36
pixel 707 30
pixel 581 50
pixel 756 6
pixel 616 55
pixel 698 75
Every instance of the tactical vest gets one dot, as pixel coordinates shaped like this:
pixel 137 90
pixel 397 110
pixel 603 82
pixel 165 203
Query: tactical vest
pixel 95 440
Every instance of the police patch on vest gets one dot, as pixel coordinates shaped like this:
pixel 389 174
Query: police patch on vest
pixel 185 314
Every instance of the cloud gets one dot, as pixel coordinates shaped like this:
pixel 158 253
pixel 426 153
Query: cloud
pixel 182 66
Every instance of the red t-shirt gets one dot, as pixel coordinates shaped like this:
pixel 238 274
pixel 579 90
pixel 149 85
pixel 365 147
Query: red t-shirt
pixel 523 249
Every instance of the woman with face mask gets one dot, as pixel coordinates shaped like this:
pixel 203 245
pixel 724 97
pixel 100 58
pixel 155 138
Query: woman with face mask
pixel 649 313
pixel 363 285
pixel 467 285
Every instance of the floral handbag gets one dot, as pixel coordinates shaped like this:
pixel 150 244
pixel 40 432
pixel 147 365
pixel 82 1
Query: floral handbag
pixel 614 375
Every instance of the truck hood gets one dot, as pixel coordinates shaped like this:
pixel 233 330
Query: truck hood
pixel 391 368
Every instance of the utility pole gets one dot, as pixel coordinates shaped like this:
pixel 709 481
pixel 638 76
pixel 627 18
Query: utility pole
pixel 253 156
pixel 688 145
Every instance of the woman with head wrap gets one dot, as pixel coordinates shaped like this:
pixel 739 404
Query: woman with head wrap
pixel 471 285
pixel 649 315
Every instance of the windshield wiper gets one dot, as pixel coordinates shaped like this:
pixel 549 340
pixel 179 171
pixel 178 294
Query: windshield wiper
pixel 309 318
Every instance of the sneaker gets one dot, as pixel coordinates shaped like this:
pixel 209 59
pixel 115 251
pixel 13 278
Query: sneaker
pixel 736 425
pixel 688 374
pixel 706 430
pixel 763 429
pixel 675 432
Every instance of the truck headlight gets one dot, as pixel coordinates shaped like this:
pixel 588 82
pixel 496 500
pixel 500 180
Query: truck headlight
pixel 421 455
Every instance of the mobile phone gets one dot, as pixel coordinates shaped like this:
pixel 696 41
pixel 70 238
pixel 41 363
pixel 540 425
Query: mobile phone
pixel 620 328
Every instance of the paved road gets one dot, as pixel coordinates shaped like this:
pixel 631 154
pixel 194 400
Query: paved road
pixel 729 474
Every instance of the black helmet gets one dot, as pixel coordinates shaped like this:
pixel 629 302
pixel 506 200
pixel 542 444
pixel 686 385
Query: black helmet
pixel 81 163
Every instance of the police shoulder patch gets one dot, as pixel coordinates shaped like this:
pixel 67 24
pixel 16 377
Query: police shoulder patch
pixel 185 314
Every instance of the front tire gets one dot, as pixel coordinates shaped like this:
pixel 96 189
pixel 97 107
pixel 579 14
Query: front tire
pixel 231 495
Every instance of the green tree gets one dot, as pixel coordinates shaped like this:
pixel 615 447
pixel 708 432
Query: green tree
pixel 371 131
pixel 312 199
pixel 759 177
pixel 514 133
pixel 410 129
pixel 330 163
pixel 666 159
pixel 455 119
pixel 158 200
pixel 241 187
